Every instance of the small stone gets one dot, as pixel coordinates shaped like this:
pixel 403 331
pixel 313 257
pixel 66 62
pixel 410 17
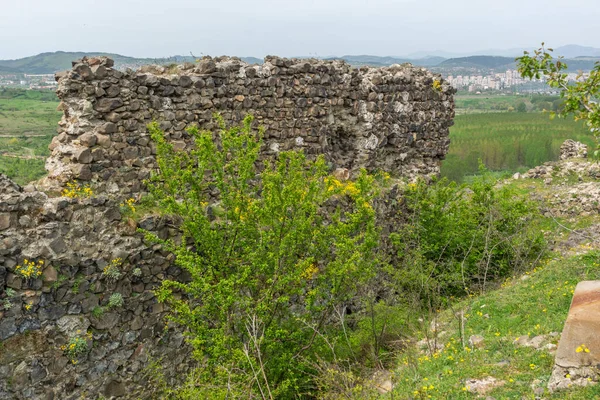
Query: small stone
pixel 84 71
pixel 88 139
pixel 20 376
pixel 114 389
pixel 105 105
pixel 476 341
pixel 8 327
pixel 50 274
pixel 4 221
pixel 82 171
pixel 483 385
pixel 103 140
pixel 342 174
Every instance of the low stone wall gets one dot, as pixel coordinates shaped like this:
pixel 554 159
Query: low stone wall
pixel 394 118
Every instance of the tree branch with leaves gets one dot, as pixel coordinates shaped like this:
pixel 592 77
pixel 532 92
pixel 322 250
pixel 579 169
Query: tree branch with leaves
pixel 581 97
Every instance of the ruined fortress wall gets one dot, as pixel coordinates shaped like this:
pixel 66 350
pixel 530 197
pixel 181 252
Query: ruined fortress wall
pixel 394 118
pixel 390 118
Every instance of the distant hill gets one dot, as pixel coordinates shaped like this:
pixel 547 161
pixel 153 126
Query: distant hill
pixel 482 62
pixel 573 51
pixel 377 61
pixel 504 63
pixel 8 70
pixel 568 51
pixel 49 63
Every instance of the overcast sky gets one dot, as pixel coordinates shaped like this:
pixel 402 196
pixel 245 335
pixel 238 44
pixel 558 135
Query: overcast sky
pixel 156 28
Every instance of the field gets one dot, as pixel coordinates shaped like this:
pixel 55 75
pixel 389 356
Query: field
pixel 507 142
pixel 27 123
pixel 476 104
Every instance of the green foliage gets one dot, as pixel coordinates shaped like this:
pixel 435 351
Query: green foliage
pixel 112 272
pixel 535 306
pixel 272 250
pixel 23 94
pixel 507 142
pixel 580 97
pixel 28 121
pixel 22 171
pixel 97 311
pixel 115 300
pixel 457 238
pixel 77 346
pixel 6 304
pixel 477 103
pixel 76 284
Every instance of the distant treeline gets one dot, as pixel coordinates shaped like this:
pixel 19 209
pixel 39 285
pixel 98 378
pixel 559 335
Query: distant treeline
pixel 507 142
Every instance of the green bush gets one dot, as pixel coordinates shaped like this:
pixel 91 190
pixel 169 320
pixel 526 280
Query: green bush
pixel 459 238
pixel 272 249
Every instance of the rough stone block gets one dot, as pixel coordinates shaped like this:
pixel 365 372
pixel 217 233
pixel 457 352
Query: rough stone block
pixel 579 345
pixel 582 327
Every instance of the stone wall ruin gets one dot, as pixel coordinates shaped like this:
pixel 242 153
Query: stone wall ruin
pixel 379 118
pixel 389 118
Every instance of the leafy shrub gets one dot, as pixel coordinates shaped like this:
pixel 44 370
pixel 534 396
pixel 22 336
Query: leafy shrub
pixel 458 237
pixel 277 248
pixel 112 272
pixel 30 269
pixel 75 190
pixel 77 346
pixel 115 300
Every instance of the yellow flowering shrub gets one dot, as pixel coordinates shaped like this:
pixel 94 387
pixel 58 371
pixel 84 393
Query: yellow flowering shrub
pixel 112 272
pixel 30 269
pixel 128 205
pixel 76 346
pixel 74 191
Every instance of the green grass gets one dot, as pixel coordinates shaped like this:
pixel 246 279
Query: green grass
pixel 481 103
pixel 28 120
pixel 535 306
pixel 28 117
pixel 507 142
pixel 22 171
pixel 468 104
pixel 530 303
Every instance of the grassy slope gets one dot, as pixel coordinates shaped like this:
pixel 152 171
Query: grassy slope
pixel 535 303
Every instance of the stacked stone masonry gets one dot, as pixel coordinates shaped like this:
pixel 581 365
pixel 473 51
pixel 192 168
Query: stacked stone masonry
pixel 392 119
pixel 76 239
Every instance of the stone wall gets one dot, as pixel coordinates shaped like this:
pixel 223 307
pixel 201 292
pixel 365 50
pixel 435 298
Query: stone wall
pixel 76 239
pixel 389 118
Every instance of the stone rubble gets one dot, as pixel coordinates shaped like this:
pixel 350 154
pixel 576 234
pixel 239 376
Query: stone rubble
pixel 572 149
